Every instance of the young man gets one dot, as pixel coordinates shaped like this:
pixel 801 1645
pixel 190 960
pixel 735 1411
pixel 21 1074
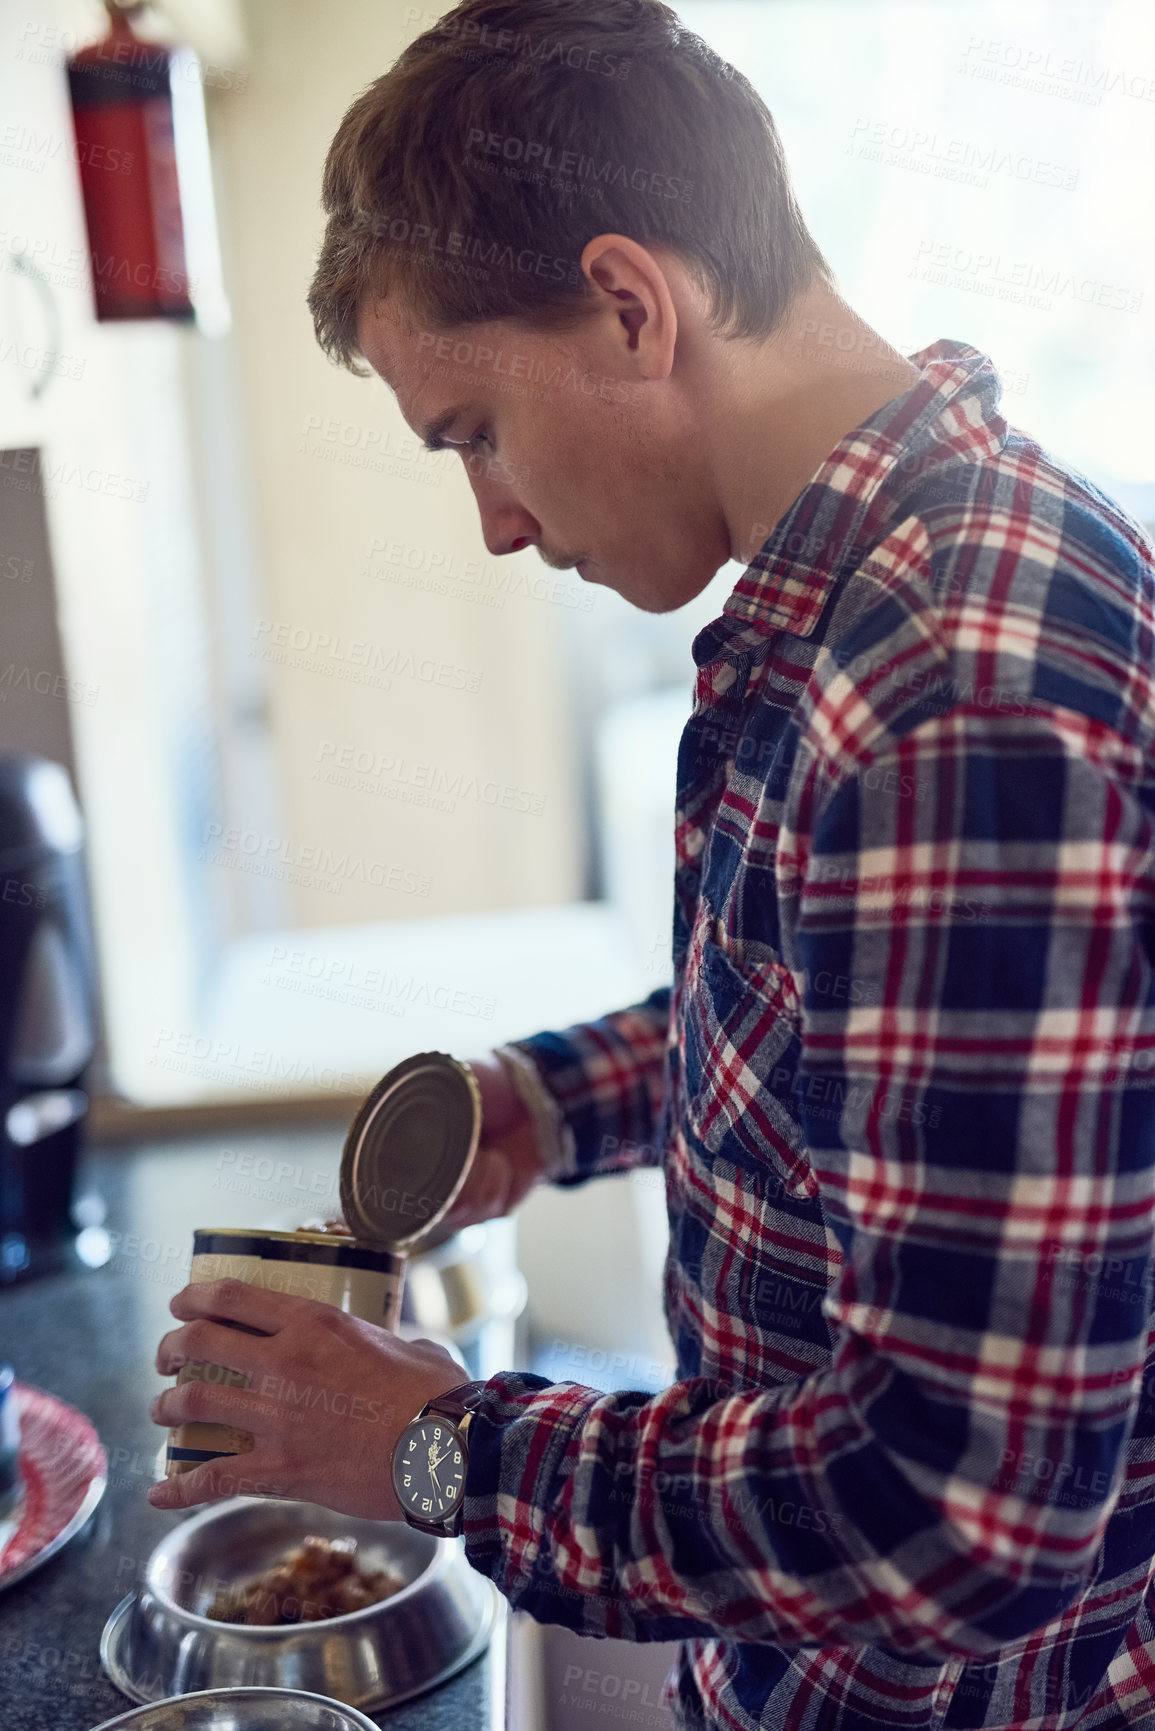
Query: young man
pixel 900 1086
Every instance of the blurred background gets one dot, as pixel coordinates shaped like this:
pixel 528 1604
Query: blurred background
pixel 350 788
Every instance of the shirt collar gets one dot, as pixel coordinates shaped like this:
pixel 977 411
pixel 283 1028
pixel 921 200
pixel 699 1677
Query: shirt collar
pixel 951 411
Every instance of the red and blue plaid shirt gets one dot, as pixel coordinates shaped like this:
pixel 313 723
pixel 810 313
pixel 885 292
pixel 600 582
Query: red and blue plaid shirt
pixel 901 1090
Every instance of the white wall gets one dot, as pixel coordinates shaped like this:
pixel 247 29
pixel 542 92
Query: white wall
pixel 325 450
pixel 160 593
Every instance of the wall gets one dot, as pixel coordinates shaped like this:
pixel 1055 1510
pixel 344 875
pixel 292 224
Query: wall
pixel 334 470
pixel 104 405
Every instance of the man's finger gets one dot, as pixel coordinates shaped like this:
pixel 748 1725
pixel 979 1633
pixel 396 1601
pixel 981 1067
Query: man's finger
pixel 204 1341
pixel 232 1476
pixel 211 1403
pixel 250 1307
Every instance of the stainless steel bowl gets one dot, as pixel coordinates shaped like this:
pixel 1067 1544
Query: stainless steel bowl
pixel 457 1285
pixel 242 1710
pixel 159 1642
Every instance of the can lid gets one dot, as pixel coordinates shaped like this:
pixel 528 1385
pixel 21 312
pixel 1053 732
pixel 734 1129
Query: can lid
pixel 409 1148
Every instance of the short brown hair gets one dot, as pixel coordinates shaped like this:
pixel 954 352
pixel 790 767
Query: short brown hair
pixel 664 141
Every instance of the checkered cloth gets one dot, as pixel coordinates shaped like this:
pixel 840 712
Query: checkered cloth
pixel 901 1090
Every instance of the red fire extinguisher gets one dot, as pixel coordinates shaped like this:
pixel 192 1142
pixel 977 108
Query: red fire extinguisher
pixel 122 111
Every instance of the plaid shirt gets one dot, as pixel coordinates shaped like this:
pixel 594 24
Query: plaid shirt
pixel 901 1090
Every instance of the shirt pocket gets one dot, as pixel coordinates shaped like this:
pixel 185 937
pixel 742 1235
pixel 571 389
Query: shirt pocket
pixel 743 1021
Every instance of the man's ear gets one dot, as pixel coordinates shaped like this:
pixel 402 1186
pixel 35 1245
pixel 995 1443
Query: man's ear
pixel 638 297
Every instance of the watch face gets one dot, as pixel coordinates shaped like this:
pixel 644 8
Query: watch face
pixel 429 1470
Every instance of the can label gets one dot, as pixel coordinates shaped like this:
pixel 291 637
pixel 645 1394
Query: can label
pixel 352 1277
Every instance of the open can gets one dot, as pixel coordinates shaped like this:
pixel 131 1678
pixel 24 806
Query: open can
pixel 409 1150
pixel 405 1159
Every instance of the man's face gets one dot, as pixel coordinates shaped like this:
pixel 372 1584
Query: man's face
pixel 566 448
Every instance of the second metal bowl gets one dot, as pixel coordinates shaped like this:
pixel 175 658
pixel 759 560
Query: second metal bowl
pixel 242 1710
pixel 159 1641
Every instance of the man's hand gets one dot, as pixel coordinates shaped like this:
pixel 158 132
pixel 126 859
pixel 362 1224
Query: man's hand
pixel 508 1163
pixel 328 1397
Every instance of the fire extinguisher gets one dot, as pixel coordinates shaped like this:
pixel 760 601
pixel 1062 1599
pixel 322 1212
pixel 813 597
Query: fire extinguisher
pixel 122 110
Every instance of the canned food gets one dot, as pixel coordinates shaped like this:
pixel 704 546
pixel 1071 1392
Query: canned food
pixel 405 1159
pixel 363 1279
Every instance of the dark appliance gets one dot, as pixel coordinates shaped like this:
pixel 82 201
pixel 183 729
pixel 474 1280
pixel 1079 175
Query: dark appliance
pixel 48 1013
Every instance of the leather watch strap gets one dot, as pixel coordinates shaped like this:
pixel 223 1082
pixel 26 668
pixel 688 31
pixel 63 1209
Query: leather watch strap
pixel 455 1403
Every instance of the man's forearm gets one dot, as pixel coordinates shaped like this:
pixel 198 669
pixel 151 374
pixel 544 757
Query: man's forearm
pixel 595 1091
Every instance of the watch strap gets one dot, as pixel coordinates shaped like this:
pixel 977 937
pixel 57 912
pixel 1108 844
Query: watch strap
pixel 455 1403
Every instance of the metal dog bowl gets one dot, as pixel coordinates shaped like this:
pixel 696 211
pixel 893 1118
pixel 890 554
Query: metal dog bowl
pixel 159 1642
pixel 242 1710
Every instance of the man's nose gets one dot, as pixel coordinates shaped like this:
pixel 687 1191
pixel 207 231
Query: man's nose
pixel 506 526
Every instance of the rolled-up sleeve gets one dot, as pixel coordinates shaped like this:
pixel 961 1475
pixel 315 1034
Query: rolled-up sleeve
pixel 596 1090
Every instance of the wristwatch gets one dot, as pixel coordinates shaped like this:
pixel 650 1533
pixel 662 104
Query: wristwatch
pixel 430 1459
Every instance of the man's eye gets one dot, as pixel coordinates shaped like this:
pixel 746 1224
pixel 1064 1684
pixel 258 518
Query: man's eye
pixel 471 444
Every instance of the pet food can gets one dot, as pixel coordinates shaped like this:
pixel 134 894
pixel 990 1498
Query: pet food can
pixel 363 1279
pixel 405 1159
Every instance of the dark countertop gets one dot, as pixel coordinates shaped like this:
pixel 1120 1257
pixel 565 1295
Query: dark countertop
pixel 89 1336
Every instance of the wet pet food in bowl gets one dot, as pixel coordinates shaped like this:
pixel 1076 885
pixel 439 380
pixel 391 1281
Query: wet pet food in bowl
pixel 161 1641
pixel 319 1578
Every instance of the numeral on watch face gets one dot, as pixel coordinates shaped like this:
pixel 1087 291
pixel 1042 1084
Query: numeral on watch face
pixel 430 1474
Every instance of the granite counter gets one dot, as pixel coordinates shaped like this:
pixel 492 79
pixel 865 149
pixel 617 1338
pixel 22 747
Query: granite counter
pixel 89 1335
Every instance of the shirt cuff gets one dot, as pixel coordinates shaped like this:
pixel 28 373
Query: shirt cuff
pixel 555 1139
